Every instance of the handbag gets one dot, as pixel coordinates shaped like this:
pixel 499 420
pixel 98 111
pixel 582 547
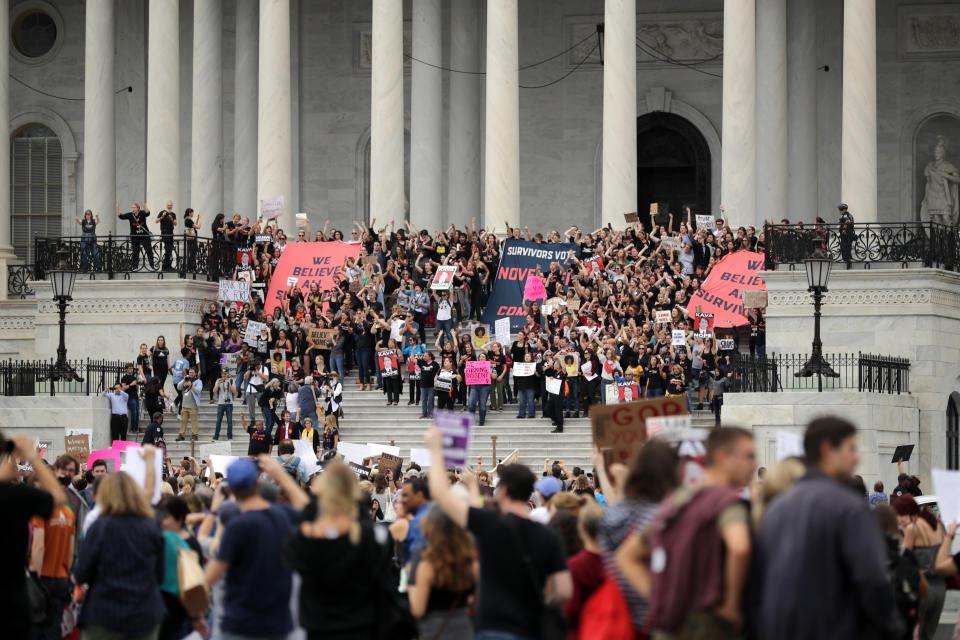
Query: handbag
pixel 606 615
pixel 553 623
pixel 43 607
pixel 191 584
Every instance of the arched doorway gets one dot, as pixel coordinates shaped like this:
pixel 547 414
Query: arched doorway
pixel 673 167
pixel 953 431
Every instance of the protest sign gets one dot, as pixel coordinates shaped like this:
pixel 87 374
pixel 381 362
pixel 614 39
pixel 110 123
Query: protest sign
pixel 720 293
pixel 555 301
pixel 665 425
pixel 595 264
pixel 633 216
pixel 670 244
pixel 353 451
pixel 136 468
pixel 234 291
pixel 278 362
pixel 291 281
pixel 662 316
pixel 703 324
pixel 524 369
pixel 301 220
pixel 322 338
pixel 387 361
pixel 356 285
pixel 78 447
pixel 220 463
pixel 253 332
pixel 677 337
pixel 946 485
pixel 359 470
pixel 754 299
pixel 244 259
pixel 204 451
pixel 534 289
pixel 369 261
pixel 553 385
pixel 571 363
pixel 262 237
pixel 420 456
pixel 389 461
pixel 789 444
pixel 311 263
pixel 456 436
pixel 619 429
pixel 443 279
pixel 377 449
pixel 902 453
pixel 519 260
pixel 545 310
pixel 704 222
pixel 304 450
pixel 726 344
pixel 477 372
pixel 622 392
pixel 654 208
pixel 480 334
pixel 271 208
pixel 396 329
pixel 444 381
pixel 502 329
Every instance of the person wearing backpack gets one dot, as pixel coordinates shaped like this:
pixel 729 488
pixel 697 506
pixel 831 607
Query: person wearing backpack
pixel 292 464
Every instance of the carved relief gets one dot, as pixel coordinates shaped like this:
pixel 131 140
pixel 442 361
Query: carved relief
pixel 867 297
pixel 139 306
pixel 929 31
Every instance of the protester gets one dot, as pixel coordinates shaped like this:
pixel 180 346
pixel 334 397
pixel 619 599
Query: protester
pixel 924 534
pixel 586 567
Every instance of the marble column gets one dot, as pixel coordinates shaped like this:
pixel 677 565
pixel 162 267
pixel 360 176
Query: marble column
pixel 163 106
pixel 206 158
pixel 771 127
pixel 738 155
pixel 619 186
pixel 802 186
pixel 426 117
pixel 858 143
pixel 274 122
pixel 501 186
pixel 99 126
pixel 463 166
pixel 387 190
pixel 245 111
pixel 6 248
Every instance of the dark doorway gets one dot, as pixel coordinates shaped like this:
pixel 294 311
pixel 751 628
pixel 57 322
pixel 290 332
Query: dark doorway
pixel 673 168
pixel 953 431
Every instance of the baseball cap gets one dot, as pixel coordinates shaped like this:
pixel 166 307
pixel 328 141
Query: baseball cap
pixel 548 486
pixel 242 474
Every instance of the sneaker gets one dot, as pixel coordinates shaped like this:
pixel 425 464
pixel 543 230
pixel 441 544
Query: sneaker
pixel 481 423
pixel 410 403
pixel 519 417
pixel 557 430
pixel 180 438
pixel 216 437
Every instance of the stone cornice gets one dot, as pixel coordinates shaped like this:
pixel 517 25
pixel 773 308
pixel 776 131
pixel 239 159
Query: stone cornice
pixel 125 306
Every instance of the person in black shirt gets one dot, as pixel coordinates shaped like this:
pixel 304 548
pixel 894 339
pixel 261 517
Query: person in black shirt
pixel 191 226
pixel 130 384
pixel 153 434
pixel 428 371
pixel 139 233
pixel 88 240
pixel 143 363
pixel 168 224
pixel 260 439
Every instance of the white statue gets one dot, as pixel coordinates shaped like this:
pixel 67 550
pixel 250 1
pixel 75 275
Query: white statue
pixel 940 203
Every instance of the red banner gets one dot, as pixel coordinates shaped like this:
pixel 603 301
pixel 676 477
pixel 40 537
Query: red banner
pixel 722 292
pixel 309 263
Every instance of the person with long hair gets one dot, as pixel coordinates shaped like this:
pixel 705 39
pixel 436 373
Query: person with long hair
pixel 160 359
pixel 330 553
pixel 923 534
pixel 172 513
pixel 445 578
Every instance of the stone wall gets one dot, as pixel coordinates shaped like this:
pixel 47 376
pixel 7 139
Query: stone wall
pixel 46 418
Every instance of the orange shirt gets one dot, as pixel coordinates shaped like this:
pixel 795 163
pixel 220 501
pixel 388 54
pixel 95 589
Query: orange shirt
pixel 58 534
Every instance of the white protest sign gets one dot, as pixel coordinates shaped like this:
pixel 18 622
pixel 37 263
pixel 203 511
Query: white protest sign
pixel 677 338
pixel 302 220
pixel 234 291
pixel 396 328
pixel 523 369
pixel 354 451
pixel 670 243
pixel 726 344
pixel 136 468
pixel 502 330
pixel 271 208
pixel 420 456
pixel 443 279
pixel 662 316
pixel 705 222
pixel 377 449
pixel 303 449
pixel 220 463
pixel 666 424
pixel 553 385
pixel 291 281
pixel 213 449
pixel 946 484
pixel 546 309
pixel 789 444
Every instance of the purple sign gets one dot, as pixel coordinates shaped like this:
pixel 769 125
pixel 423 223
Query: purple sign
pixel 456 436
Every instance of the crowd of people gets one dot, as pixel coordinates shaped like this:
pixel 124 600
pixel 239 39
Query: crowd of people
pixel 616 551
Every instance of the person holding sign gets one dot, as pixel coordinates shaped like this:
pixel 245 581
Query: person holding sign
pixel 555 378
pixel 526 386
pixel 478 381
pixel 446 381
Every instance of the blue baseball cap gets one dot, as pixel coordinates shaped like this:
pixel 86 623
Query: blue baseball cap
pixel 242 474
pixel 548 486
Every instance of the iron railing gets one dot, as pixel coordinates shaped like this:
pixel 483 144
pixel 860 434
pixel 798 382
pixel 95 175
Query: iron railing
pixel 863 372
pixel 32 377
pixel 19 279
pixel 899 243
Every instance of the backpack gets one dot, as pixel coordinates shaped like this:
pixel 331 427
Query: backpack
pixel 290 466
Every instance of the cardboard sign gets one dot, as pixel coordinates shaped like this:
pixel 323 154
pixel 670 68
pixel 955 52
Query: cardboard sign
pixel 619 429
pixel 631 217
pixel 654 208
pixel 443 278
pixel 387 361
pixel 754 299
pixel 323 338
pixel 252 335
pixel 477 372
pixel 726 344
pixel 234 291
pixel 369 261
pixel 389 461
pixel 705 222
pixel 662 317
pixel 302 221
pixel 356 285
pixel 502 329
pixel 677 338
pixel 456 436
pixel 271 208
pixel 524 369
pixel 534 288
pixel 78 447
pixel 479 334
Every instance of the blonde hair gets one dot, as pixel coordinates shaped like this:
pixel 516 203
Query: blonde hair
pixel 778 479
pixel 119 495
pixel 189 483
pixel 565 500
pixel 339 494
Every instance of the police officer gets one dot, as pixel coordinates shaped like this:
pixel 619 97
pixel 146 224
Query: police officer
pixel 847 233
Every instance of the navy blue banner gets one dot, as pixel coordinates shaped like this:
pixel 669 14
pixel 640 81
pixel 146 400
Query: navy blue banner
pixel 520 258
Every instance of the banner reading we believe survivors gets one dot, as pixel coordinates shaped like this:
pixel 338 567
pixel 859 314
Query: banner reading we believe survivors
pixel 520 260
pixel 310 263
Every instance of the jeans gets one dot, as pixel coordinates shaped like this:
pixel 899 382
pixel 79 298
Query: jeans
pixel 238 383
pixel 603 390
pixel 573 396
pixel 224 410
pixel 363 364
pixel 89 255
pixel 445 327
pixel 336 364
pixel 133 407
pixel 479 393
pixel 313 417
pixel 268 419
pixel 426 393
pixel 527 408
pixel 656 393
pixel 59 589
pixel 507 389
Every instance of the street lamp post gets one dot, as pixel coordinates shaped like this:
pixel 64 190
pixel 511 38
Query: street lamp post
pixel 62 278
pixel 818 268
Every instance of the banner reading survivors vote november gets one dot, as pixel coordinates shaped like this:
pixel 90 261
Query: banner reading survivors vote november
pixel 520 260
pixel 310 263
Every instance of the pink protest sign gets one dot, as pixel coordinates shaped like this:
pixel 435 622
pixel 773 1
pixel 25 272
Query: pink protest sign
pixel 534 289
pixel 114 453
pixel 478 372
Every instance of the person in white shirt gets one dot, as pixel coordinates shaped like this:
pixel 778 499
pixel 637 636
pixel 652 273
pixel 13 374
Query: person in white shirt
pixel 444 315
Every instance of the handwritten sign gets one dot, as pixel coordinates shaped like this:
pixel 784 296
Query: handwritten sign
pixel 620 429
pixel 234 291
pixel 754 299
pixel 368 261
pixel 302 221
pixel 677 338
pixel 323 338
pixel 389 461
pixel 456 436
pixel 252 335
pixel 204 451
pixel 726 344
pixel 789 444
pixel 704 222
pixel 443 279
pixel 524 369
pixel 654 208
pixel 534 289
pixel 662 316
pixel 78 447
pixel 631 217
pixel 502 329
pixel 670 244
pixel 477 372
pixel 271 208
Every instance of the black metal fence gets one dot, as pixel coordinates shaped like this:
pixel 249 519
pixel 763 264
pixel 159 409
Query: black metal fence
pixel 858 372
pixel 32 377
pixel 899 243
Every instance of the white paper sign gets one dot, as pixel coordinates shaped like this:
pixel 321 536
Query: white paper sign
pixel 302 220
pixel 396 327
pixel 204 451
pixel 666 424
pixel 420 456
pixel 726 344
pixel 271 208
pixel 789 444
pixel 546 309
pixel 523 369
pixel 377 449
pixel 303 449
pixel 291 281
pixel 553 385
pixel 234 291
pixel 502 329
pixel 136 468
pixel 220 463
pixel 946 484
pixel 662 316
pixel 677 338
pixel 354 451
pixel 705 222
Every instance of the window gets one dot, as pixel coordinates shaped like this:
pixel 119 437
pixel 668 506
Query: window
pixel 34 33
pixel 953 432
pixel 35 188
